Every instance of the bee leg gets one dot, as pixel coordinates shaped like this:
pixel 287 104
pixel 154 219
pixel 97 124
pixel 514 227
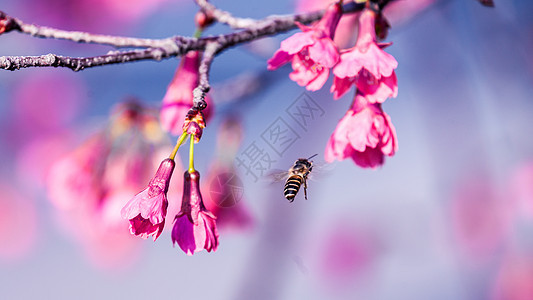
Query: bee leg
pixel 305 189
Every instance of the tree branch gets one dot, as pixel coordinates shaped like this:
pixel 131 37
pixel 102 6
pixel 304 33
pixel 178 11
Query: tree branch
pixel 164 48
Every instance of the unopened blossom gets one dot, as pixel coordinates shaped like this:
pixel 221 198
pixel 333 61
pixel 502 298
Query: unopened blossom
pixel 366 65
pixel 195 227
pixel 179 98
pixel 147 210
pixel 365 134
pixel 312 51
pixel 194 124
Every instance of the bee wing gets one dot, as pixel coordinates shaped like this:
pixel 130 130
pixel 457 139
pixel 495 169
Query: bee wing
pixel 320 170
pixel 277 175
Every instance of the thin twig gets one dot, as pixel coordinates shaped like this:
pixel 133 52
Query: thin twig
pixel 203 81
pixel 225 17
pixel 82 37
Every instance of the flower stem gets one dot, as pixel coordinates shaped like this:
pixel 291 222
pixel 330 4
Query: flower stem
pixel 198 33
pixel 191 155
pixel 180 141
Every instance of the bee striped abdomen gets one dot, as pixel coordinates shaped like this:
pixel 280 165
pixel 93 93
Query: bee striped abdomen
pixel 292 186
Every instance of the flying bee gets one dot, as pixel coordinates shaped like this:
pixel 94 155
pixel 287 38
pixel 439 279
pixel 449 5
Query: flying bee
pixel 296 176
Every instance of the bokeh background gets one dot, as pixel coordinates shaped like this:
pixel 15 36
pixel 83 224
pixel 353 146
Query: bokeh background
pixel 450 216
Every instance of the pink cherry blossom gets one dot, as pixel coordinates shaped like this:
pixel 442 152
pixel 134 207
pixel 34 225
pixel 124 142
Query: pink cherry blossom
pixel 366 65
pixel 312 51
pixel 365 134
pixel 179 98
pixel 147 210
pixel 195 227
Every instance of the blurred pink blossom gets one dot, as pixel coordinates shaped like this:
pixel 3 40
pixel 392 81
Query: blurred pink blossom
pixel 311 51
pixel 514 278
pixel 18 224
pixel 226 192
pixel 74 179
pixel 93 183
pixel 344 254
pixel 86 15
pixel 481 217
pixel 45 102
pixel 521 188
pixel 32 166
pixel 179 98
pixel 194 227
pixel 225 198
pixel 365 134
pixel 101 232
pixel 366 65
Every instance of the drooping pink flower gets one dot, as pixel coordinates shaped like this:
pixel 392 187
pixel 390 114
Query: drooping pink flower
pixel 365 134
pixel 179 98
pixel 311 51
pixel 147 210
pixel 366 65
pixel 195 227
